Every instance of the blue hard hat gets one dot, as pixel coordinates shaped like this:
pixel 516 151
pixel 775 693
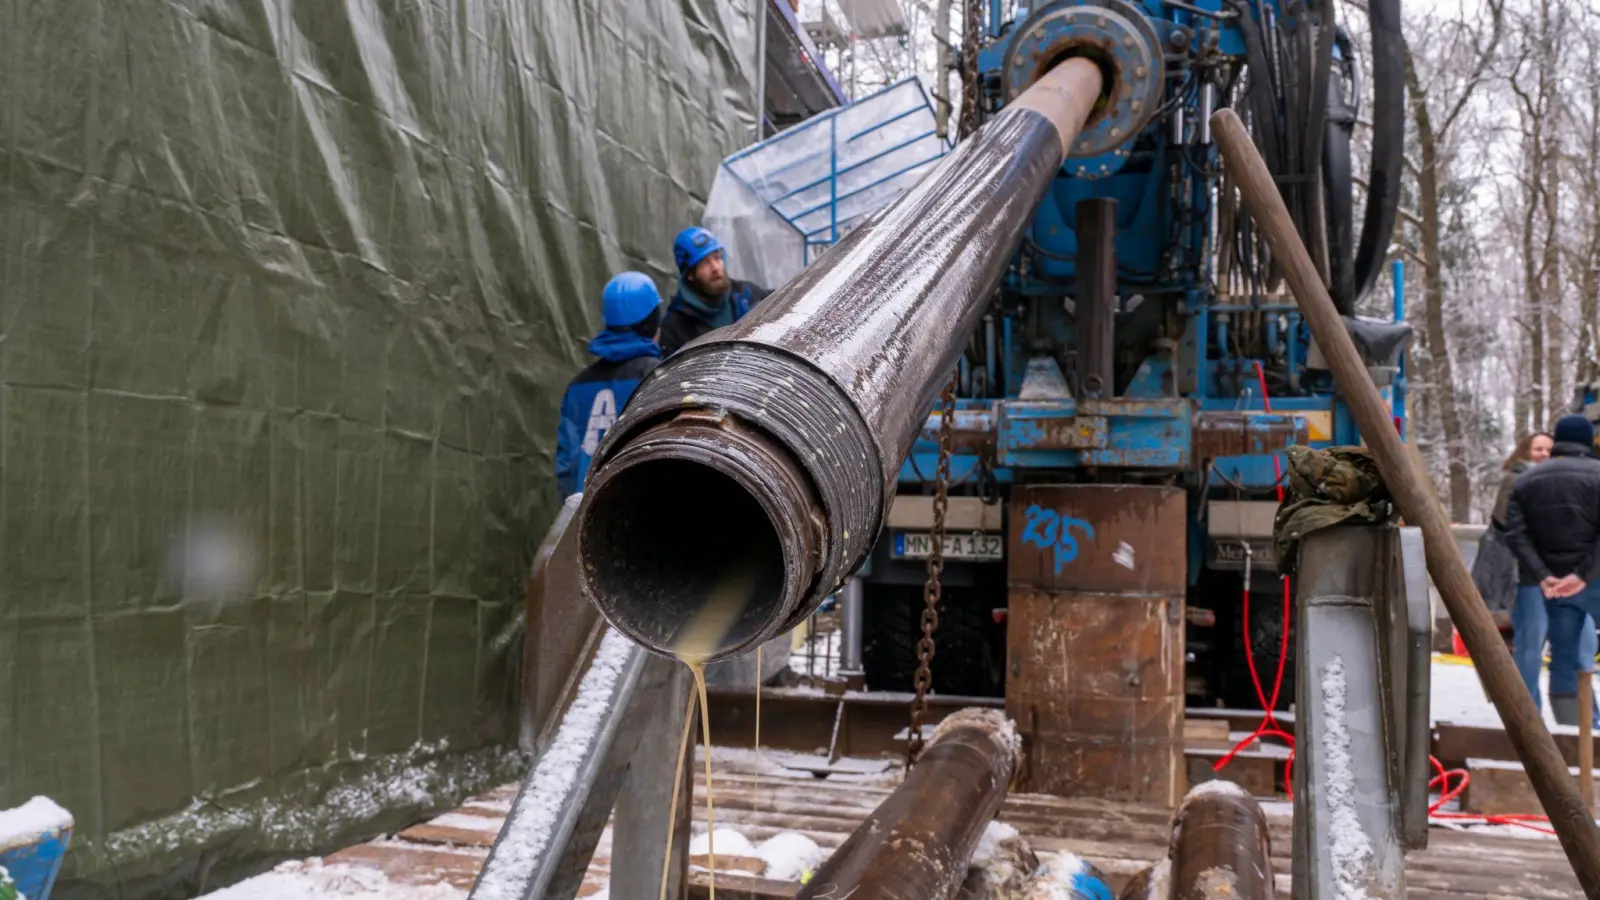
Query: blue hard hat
pixel 628 299
pixel 691 246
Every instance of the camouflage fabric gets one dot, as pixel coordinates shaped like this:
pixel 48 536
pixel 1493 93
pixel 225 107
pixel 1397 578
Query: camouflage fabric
pixel 1336 486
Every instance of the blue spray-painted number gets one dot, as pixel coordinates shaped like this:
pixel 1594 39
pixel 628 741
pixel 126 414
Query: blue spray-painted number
pixel 1050 530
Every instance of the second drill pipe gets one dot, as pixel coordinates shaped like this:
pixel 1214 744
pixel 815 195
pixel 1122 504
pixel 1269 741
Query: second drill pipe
pixel 752 471
pixel 918 843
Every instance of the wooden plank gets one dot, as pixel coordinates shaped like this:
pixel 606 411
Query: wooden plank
pixel 414 865
pixel 740 887
pixel 438 834
pixel 1500 788
pixel 1453 745
pixel 1202 732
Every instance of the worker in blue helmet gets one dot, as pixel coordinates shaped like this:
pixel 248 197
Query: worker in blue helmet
pixel 627 349
pixel 706 297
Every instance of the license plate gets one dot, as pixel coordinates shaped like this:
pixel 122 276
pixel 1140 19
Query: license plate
pixel 976 545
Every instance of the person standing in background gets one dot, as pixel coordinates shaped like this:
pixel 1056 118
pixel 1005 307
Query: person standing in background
pixel 1553 529
pixel 706 299
pixel 631 308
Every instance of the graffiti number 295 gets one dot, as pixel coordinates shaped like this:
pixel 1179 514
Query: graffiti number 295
pixel 1050 530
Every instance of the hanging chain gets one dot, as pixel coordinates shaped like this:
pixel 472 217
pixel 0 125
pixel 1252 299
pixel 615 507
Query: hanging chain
pixel 932 590
pixel 971 16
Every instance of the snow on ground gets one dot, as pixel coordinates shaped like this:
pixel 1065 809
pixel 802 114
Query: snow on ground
pixel 311 880
pixel 818 657
pixel 26 823
pixel 1457 696
pixel 789 856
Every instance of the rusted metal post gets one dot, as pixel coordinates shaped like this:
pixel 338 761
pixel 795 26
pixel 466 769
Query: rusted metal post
pixel 1220 848
pixel 1095 307
pixel 1414 494
pixel 918 843
pixel 768 451
pixel 1586 738
pixel 1094 639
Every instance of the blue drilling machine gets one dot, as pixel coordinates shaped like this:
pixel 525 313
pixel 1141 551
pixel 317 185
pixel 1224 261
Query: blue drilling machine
pixel 1141 337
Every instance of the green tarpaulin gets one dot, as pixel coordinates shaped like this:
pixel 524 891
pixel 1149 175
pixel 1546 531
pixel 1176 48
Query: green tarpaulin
pixel 289 291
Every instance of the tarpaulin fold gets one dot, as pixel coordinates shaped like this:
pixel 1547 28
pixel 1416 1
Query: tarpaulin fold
pixel 289 292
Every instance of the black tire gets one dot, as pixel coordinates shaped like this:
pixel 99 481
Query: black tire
pixel 968 647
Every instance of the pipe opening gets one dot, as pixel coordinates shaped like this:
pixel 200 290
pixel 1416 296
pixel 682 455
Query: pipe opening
pixel 682 558
pixel 1103 61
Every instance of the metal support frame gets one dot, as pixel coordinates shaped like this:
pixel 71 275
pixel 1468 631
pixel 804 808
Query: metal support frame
pixel 1361 762
pixel 602 707
pixel 629 705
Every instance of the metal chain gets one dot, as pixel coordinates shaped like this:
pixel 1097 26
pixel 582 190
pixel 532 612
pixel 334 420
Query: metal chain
pixel 970 89
pixel 932 590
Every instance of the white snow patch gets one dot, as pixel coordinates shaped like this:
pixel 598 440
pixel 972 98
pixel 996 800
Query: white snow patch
pixel 1216 787
pixel 311 880
pixel 6 882
pixel 30 821
pixel 466 822
pixel 789 856
pixel 989 845
pixel 1159 885
pixel 728 843
pixel 507 873
pixel 1057 877
pixel 1351 851
pixel 1456 696
pixel 420 777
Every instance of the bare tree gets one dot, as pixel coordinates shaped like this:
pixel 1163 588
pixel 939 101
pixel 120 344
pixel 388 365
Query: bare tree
pixel 1437 105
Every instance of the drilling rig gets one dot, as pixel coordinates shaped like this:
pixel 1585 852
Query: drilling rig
pixel 1027 419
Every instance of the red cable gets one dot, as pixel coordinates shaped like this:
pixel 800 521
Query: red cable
pixel 1269 726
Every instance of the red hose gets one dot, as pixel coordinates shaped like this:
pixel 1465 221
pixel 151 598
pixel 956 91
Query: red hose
pixel 1269 726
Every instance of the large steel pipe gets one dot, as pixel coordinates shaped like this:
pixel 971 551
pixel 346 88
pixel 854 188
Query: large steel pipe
pixel 750 473
pixel 1220 847
pixel 918 843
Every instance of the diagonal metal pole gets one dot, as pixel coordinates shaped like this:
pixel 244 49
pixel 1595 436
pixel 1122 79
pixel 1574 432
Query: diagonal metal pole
pixel 1413 493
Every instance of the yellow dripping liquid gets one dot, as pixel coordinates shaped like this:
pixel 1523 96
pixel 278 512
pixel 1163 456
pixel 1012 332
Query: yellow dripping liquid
pixel 677 785
pixel 695 643
pixel 705 730
pixel 759 670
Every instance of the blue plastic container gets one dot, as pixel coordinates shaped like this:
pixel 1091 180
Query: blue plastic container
pixel 33 841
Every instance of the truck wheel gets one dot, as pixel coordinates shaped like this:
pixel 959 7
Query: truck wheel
pixel 968 648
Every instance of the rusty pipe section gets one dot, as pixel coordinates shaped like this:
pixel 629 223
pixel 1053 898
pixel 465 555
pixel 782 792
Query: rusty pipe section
pixel 1220 847
pixel 758 462
pixel 918 843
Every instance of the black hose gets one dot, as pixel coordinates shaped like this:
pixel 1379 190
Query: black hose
pixel 1338 183
pixel 1388 143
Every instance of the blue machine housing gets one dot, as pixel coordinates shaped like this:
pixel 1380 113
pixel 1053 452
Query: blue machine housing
pixel 1192 359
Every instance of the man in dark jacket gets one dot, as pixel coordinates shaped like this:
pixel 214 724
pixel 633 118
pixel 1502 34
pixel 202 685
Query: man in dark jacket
pixel 1553 527
pixel 706 297
pixel 631 309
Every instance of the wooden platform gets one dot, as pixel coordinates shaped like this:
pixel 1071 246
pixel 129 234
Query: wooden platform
pixel 758 802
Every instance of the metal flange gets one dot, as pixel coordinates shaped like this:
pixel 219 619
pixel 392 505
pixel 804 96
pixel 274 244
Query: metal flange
pixel 1118 37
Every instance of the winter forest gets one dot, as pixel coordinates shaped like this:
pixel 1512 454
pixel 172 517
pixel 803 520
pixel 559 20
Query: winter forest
pixel 1500 213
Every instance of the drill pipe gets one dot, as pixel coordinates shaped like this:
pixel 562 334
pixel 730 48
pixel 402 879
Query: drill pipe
pixel 1220 848
pixel 751 472
pixel 918 843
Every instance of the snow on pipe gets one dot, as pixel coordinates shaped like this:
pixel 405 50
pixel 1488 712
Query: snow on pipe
pixel 1220 847
pixel 919 842
pixel 759 461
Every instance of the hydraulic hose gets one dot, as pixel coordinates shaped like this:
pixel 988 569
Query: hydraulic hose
pixel 1388 143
